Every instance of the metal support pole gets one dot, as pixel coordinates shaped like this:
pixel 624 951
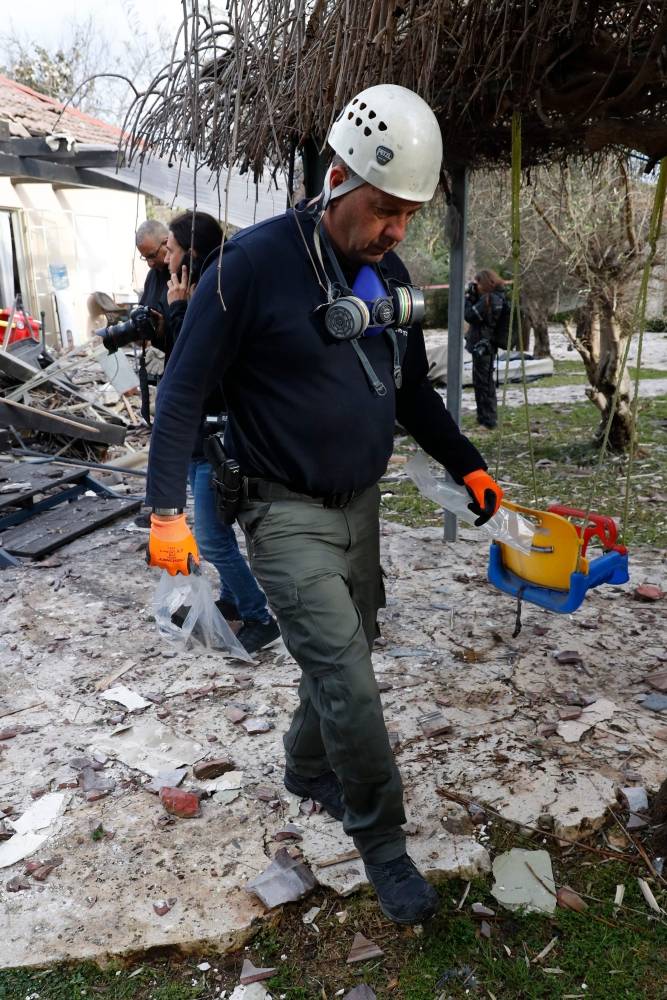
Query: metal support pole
pixel 457 263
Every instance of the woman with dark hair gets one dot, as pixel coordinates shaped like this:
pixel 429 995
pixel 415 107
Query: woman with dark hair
pixel 487 312
pixel 193 244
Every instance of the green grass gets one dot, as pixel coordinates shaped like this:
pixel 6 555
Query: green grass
pixel 573 373
pixel 566 460
pixel 619 956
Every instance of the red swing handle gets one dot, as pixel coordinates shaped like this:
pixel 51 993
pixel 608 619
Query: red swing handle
pixel 594 526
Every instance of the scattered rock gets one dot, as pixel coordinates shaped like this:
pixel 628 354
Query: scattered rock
pixel 235 714
pixel 480 910
pixel 360 992
pixel 251 974
pixel 362 949
pixel 648 592
pixel 655 703
pixel 17 883
pixel 254 727
pixel 289 832
pixel 568 899
pixel 569 656
pixel 207 769
pixel 180 803
pixel 163 906
pixel 434 724
pixel 658 680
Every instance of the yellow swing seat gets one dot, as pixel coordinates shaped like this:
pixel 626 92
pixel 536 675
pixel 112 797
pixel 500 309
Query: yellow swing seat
pixel 556 575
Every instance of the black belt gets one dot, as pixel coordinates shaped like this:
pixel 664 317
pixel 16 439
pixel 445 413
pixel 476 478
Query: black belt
pixel 263 489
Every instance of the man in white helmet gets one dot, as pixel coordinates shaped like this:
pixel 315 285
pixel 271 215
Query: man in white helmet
pixel 319 353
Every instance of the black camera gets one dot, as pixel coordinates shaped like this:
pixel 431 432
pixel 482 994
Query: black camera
pixel 482 348
pixel 472 291
pixel 141 325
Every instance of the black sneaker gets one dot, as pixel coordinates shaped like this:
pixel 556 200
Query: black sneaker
pixel 254 636
pixel 403 893
pixel 325 789
pixel 228 611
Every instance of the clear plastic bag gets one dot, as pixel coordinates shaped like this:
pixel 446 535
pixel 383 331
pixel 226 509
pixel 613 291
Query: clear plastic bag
pixel 506 525
pixel 203 621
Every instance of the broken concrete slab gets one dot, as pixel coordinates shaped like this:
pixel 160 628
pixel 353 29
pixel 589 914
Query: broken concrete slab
pixel 150 746
pixel 284 881
pixel 524 881
pixel 599 711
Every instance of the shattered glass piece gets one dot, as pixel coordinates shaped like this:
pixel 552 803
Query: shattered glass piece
pixel 284 881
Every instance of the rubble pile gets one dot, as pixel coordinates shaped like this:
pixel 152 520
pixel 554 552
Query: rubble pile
pixel 152 774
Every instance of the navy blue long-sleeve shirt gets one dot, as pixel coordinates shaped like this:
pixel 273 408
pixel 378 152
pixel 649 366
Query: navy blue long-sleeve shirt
pixel 301 410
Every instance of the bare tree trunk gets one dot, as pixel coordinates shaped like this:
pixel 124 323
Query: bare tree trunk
pixel 598 340
pixel 541 347
pixel 535 317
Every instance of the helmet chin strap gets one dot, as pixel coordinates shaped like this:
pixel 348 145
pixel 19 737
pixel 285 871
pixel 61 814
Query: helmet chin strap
pixel 349 184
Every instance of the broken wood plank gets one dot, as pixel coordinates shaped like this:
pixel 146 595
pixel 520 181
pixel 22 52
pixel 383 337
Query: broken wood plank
pixel 60 525
pixel 33 418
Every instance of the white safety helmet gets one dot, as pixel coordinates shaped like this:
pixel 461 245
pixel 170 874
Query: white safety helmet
pixel 389 137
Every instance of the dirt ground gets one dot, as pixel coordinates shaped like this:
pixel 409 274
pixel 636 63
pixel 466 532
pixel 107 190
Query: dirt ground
pixel 68 625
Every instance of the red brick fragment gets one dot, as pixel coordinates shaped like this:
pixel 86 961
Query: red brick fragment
pixel 180 803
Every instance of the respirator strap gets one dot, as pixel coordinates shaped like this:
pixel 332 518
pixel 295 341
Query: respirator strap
pixel 398 373
pixel 378 387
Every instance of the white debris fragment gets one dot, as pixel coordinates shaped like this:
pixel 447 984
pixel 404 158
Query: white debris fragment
pixel 599 711
pixel 33 828
pixel 125 696
pixel 524 880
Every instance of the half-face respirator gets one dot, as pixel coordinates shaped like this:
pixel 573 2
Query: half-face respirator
pixel 372 307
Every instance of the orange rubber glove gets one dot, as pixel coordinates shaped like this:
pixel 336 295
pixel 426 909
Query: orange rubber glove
pixel 486 495
pixel 171 545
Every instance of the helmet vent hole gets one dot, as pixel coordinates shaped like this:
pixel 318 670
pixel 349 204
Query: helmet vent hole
pixel 350 116
pixel 355 100
pixel 362 106
pixel 358 122
pixel 367 131
pixel 371 114
pixel 382 126
pixel 350 151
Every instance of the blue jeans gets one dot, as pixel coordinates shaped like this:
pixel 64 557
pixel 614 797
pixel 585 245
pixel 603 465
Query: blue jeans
pixel 218 545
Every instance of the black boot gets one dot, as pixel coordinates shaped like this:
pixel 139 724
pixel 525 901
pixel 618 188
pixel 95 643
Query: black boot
pixel 403 893
pixel 325 789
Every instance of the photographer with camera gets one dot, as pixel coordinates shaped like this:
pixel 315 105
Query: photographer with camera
pixel 193 244
pixel 487 312
pixel 315 332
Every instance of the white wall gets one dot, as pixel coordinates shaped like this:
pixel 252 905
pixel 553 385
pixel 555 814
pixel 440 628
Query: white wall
pixel 79 240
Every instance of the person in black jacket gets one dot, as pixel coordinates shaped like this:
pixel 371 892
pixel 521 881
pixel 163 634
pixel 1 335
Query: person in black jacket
pixel 193 245
pixel 487 312
pixel 316 368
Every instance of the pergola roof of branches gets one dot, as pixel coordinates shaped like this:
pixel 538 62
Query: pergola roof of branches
pixel 268 74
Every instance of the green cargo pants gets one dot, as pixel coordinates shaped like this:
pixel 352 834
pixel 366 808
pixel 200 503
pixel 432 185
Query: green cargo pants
pixel 320 570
